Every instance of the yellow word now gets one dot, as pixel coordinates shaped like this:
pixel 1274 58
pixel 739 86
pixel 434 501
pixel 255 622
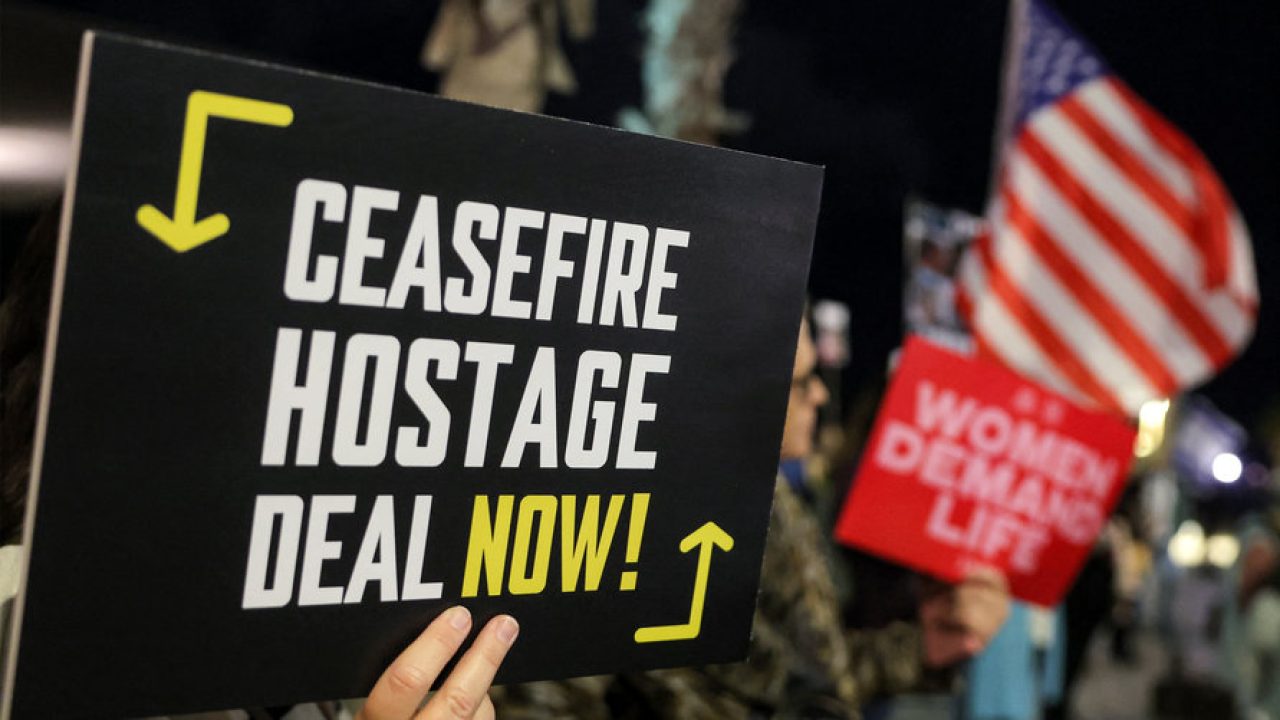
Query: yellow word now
pixel 585 539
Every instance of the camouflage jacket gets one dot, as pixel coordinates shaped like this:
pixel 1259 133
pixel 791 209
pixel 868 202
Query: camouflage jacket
pixel 802 663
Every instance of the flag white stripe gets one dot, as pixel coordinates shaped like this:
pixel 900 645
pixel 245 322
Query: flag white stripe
pixel 1002 332
pixel 1113 112
pixel 1005 336
pixel 1113 277
pixel 1088 341
pixel 1145 222
pixel 970 272
pixel 1242 278
pixel 1233 322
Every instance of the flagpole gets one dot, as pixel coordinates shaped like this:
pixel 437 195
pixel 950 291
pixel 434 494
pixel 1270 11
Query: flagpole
pixel 1015 24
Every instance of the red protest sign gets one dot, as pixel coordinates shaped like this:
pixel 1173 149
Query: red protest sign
pixel 971 464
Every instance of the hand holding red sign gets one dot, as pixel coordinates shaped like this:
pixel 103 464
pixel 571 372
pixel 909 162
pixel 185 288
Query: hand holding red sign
pixel 970 465
pixel 957 621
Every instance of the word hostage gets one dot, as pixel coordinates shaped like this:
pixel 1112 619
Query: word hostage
pixel 327 358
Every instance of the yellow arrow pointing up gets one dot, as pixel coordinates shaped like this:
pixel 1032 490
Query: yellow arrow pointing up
pixel 182 232
pixel 706 538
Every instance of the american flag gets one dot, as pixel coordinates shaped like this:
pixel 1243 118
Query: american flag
pixel 1116 268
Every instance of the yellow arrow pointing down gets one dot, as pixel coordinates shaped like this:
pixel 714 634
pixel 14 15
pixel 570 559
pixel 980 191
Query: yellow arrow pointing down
pixel 706 538
pixel 182 232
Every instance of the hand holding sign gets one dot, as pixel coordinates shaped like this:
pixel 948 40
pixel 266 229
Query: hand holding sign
pixel 457 366
pixel 400 690
pixel 957 621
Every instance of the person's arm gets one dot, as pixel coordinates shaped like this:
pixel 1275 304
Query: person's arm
pixel 887 661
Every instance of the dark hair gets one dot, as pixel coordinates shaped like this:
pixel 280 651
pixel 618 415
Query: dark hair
pixel 24 315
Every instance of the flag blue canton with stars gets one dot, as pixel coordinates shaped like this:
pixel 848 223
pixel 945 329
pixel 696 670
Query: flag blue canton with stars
pixel 1054 60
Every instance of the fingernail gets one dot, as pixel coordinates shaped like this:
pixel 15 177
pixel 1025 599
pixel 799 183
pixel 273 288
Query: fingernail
pixel 507 629
pixel 459 618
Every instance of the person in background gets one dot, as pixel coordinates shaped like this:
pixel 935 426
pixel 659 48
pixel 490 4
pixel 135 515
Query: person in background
pixel 1020 672
pixel 802 661
pixel 1250 638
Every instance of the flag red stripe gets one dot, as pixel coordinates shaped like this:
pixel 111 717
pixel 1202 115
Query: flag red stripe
pixel 1213 239
pixel 1042 334
pixel 1111 320
pixel 1123 243
pixel 964 306
pixel 982 348
pixel 1133 168
pixel 1169 139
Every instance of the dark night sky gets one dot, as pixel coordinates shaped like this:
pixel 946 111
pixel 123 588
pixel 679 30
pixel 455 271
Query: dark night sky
pixel 892 97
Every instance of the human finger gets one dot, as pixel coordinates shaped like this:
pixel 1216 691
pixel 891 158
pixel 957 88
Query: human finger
pixel 985 583
pixel 464 692
pixel 987 577
pixel 979 610
pixel 979 622
pixel 403 685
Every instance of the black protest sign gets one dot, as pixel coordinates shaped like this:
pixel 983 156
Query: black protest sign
pixel 329 357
